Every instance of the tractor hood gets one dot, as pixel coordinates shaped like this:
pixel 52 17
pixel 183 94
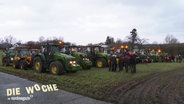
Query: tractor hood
pixel 103 54
pixel 61 55
pixel 81 54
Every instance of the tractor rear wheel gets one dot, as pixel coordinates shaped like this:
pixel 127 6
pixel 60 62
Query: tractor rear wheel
pixel 23 65
pixel 38 65
pixel 56 68
pixel 101 63
pixel 15 64
pixel 5 62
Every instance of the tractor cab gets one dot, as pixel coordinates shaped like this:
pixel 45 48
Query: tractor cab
pixel 97 55
pixel 49 50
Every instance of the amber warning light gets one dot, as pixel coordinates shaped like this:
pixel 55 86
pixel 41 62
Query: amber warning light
pixel 59 42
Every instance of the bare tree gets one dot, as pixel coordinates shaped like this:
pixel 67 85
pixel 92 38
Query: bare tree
pixel 41 39
pixel 1 41
pixel 31 43
pixel 170 39
pixel 10 39
pixel 109 40
pixel 119 42
pixel 155 42
pixel 140 42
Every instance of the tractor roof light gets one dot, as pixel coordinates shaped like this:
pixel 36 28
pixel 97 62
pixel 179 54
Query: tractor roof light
pixel 60 42
pixel 122 46
pixel 126 46
pixel 159 50
pixel 112 48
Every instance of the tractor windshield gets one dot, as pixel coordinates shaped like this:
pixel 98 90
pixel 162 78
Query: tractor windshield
pixel 99 49
pixel 11 52
pixel 54 48
pixel 24 52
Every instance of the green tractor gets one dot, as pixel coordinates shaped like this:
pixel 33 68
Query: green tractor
pixel 8 57
pixel 97 56
pixel 155 56
pixel 50 58
pixel 81 58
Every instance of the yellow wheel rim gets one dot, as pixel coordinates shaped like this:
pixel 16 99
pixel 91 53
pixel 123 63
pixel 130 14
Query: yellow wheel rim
pixel 37 65
pixel 99 64
pixel 54 69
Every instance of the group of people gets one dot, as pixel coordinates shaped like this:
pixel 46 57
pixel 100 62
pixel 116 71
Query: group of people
pixel 177 58
pixel 123 61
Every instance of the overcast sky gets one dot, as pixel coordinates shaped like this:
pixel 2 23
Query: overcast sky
pixel 91 21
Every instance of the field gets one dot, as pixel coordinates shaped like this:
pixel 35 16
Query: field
pixel 97 83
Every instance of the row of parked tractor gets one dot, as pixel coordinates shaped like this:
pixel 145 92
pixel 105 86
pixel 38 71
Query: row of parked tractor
pixel 55 57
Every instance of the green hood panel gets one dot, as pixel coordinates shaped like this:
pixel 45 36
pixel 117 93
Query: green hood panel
pixel 61 55
pixel 79 54
pixel 103 54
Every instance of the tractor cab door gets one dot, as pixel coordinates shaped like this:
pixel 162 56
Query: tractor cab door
pixel 45 51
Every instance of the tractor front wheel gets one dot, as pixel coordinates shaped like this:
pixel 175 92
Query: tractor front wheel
pixel 38 65
pixel 56 68
pixel 23 65
pixel 101 63
pixel 5 62
pixel 15 64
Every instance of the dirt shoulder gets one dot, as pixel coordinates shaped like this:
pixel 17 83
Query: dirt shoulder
pixel 158 88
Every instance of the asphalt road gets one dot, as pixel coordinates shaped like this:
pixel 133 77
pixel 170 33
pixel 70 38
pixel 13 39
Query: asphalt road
pixel 8 82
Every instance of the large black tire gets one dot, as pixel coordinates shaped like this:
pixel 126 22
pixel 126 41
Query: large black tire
pixel 5 61
pixel 15 64
pixel 101 63
pixel 57 68
pixel 38 65
pixel 23 65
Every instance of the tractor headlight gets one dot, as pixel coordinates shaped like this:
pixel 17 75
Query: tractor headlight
pixel 72 62
pixel 11 59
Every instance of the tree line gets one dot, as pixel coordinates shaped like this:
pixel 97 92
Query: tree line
pixel 171 44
